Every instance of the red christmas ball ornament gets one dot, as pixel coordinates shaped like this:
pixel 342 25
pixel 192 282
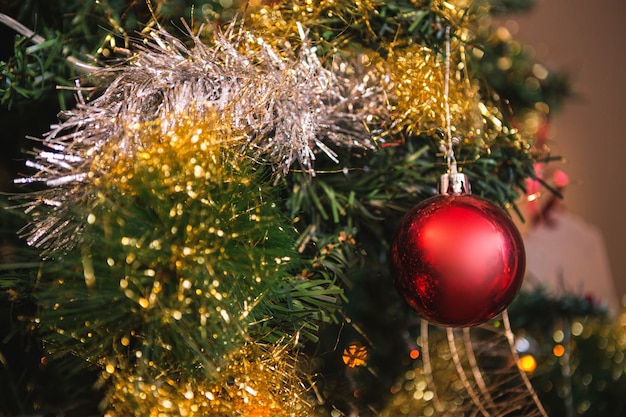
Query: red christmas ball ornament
pixel 457 259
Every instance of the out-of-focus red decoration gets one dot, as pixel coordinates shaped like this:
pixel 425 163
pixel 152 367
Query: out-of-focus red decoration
pixel 458 260
pixel 539 205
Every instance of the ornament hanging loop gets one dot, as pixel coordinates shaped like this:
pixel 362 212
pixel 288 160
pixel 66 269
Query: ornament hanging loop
pixel 452 182
pixel 451 159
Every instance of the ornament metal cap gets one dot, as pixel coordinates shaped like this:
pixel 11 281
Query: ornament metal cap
pixel 454 183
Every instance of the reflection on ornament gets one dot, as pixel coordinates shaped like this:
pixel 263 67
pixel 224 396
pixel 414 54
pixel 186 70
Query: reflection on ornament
pixel 354 355
pixel 457 259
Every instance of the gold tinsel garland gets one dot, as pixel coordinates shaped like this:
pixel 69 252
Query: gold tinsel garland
pixel 257 381
pixel 417 76
pixel 411 75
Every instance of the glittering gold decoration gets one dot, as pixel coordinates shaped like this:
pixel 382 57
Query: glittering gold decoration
pixel 280 18
pixel 185 152
pixel 255 382
pixel 456 12
pixel 417 74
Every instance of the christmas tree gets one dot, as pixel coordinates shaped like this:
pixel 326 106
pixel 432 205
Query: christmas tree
pixel 207 227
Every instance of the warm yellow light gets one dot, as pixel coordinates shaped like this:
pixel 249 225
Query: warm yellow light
pixel 527 363
pixel 355 355
pixel 558 350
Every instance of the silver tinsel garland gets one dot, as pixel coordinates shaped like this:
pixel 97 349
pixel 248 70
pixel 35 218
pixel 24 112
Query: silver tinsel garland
pixel 290 106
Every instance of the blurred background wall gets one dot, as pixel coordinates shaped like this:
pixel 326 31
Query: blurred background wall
pixel 586 39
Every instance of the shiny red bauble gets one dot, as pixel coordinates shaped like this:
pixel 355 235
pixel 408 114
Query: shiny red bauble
pixel 458 260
